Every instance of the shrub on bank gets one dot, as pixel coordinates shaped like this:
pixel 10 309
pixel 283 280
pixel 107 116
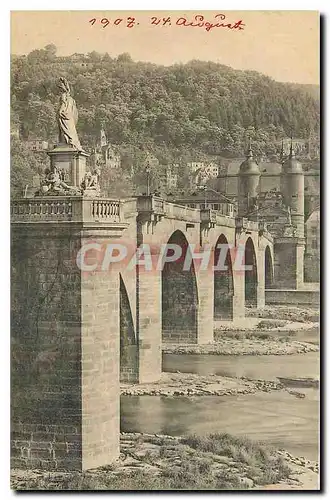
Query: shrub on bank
pixel 214 462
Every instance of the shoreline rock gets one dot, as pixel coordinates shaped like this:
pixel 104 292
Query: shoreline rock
pixel 247 347
pixel 188 384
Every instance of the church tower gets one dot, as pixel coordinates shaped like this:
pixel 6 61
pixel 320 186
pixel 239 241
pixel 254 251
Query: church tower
pixel 248 184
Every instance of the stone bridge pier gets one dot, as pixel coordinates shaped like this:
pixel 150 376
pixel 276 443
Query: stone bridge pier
pixel 65 334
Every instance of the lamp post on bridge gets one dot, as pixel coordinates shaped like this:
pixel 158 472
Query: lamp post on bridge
pixel 148 178
pixel 148 170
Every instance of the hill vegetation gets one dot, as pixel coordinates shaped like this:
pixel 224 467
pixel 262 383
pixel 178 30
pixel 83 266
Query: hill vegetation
pixel 191 111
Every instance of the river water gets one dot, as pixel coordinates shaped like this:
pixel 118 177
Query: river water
pixel 276 418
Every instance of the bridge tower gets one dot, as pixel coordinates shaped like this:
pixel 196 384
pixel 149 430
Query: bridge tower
pixel 292 188
pixel 248 184
pixel 289 248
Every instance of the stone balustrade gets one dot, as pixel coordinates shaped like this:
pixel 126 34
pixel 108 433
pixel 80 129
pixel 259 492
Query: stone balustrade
pixel 105 209
pixel 80 209
pixel 65 209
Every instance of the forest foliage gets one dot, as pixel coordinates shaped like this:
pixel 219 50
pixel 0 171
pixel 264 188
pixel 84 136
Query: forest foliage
pixel 184 110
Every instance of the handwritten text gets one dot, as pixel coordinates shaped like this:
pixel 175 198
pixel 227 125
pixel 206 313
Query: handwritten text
pixel 198 21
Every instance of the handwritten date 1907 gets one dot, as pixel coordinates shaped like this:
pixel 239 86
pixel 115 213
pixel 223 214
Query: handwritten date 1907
pixel 198 21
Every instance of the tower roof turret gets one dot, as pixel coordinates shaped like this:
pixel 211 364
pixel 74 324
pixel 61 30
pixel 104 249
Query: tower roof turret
pixel 291 164
pixel 249 166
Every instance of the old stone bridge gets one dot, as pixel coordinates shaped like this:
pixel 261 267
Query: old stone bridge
pixel 77 333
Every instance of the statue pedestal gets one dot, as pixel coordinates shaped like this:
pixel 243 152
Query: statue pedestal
pixel 92 192
pixel 70 161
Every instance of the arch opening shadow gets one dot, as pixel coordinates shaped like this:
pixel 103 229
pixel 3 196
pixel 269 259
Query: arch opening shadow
pixel 250 262
pixel 128 344
pixel 269 273
pixel 179 297
pixel 223 283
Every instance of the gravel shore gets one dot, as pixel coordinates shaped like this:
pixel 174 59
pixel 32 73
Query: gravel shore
pixel 254 347
pixel 187 384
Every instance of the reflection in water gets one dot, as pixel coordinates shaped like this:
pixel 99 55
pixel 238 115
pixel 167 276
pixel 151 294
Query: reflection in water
pixel 260 367
pixel 276 418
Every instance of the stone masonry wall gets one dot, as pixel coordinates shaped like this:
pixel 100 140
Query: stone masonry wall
pixel 50 447
pixel 46 348
pixel 100 354
pixel 65 353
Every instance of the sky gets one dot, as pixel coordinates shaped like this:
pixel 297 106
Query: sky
pixel 281 44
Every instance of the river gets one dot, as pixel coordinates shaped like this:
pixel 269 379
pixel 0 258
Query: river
pixel 276 418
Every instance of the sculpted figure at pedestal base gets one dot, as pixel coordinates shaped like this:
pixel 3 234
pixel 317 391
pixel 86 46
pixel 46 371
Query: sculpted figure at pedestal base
pixel 90 185
pixel 54 184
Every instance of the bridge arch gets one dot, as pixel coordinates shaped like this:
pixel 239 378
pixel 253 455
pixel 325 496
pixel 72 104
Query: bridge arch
pixel 251 274
pixel 128 343
pixel 179 296
pixel 223 282
pixel 269 268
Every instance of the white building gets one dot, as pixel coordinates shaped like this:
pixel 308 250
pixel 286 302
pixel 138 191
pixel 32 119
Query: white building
pixel 203 171
pixel 36 145
pixel 171 179
pixel 111 158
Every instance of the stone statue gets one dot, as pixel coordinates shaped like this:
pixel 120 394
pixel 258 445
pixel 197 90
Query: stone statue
pixel 67 117
pixel 90 185
pixel 53 184
pixel 86 181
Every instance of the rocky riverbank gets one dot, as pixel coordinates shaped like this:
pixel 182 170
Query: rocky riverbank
pixel 188 384
pixel 299 314
pixel 153 462
pixel 247 346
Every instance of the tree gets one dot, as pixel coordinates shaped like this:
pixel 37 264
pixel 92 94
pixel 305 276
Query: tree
pixel 94 56
pixel 124 58
pixel 194 110
pixel 24 166
pixel 51 50
pixel 106 58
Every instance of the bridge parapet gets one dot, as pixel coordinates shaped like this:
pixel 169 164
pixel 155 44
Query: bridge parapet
pixel 65 209
pixel 212 218
pixel 182 212
pixel 263 231
pixel 157 208
pixel 244 224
